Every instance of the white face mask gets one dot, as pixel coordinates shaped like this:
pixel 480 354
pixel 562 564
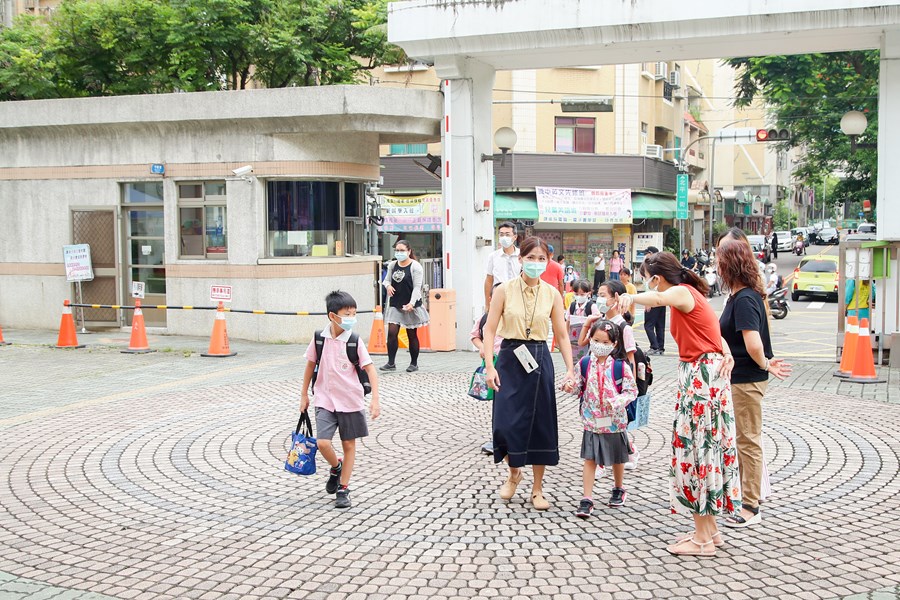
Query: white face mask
pixel 602 306
pixel 580 300
pixel 601 349
pixel 506 241
pixel 652 288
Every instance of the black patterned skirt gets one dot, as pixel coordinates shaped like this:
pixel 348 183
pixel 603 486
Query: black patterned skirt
pixel 524 419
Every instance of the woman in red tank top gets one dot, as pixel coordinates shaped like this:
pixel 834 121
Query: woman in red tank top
pixel 703 473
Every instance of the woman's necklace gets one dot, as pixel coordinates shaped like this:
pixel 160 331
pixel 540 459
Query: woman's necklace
pixel 533 308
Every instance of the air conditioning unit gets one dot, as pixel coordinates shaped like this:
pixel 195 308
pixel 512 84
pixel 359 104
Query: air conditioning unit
pixel 653 151
pixel 662 70
pixel 680 93
pixel 675 79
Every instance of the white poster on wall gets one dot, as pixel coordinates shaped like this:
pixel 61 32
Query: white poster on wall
pixel 77 260
pixel 590 207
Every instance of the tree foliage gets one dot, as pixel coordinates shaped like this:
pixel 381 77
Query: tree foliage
pixel 113 47
pixel 808 94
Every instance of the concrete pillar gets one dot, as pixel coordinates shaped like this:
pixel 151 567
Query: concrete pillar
pixel 467 184
pixel 888 224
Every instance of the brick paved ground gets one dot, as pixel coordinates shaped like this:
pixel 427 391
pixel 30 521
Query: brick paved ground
pixel 159 476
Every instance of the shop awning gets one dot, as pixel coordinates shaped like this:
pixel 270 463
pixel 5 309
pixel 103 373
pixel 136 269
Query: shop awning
pixel 652 207
pixel 515 206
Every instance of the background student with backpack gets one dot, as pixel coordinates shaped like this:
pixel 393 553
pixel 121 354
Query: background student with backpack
pixel 607 386
pixel 338 384
pixel 580 310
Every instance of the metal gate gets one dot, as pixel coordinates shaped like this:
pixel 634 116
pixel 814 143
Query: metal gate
pixel 97 227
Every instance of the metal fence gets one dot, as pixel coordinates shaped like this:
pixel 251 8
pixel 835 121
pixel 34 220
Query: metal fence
pixel 433 279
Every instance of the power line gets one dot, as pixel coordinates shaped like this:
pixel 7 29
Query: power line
pixel 569 93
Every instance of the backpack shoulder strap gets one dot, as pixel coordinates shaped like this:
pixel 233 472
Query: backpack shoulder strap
pixel 618 373
pixel 589 308
pixel 353 349
pixel 320 345
pixel 481 323
pixel 583 365
pixel 572 307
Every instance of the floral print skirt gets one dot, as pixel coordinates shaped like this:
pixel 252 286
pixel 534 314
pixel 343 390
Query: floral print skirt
pixel 703 475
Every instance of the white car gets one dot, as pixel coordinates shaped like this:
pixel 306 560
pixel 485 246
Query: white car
pixel 785 241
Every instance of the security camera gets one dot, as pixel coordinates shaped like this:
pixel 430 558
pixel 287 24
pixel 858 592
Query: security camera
pixel 242 171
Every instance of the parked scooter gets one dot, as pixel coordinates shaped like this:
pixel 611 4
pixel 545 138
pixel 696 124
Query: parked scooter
pixel 712 279
pixel 778 304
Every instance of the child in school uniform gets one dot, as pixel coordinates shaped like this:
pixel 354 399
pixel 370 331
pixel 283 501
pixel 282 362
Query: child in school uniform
pixel 608 386
pixel 339 394
pixel 578 313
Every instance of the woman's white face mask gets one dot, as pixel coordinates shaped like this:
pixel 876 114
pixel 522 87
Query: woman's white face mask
pixel 650 286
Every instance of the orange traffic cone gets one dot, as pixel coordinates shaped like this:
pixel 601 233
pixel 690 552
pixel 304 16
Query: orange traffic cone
pixel 864 363
pixel 218 341
pixel 848 354
pixel 67 337
pixel 138 343
pixel 2 343
pixel 402 339
pixel 424 334
pixel 377 340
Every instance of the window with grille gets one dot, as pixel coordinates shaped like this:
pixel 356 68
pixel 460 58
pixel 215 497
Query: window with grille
pixel 667 91
pixel 575 134
pixel 202 219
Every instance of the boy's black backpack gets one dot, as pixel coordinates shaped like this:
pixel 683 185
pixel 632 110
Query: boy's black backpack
pixel 352 355
pixel 642 383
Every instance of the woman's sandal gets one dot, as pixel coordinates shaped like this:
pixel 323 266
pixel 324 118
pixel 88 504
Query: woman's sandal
pixel 699 550
pixel 508 489
pixel 737 521
pixel 718 540
pixel 538 501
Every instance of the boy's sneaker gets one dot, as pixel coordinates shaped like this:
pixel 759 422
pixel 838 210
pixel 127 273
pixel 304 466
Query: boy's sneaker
pixel 618 498
pixel 585 509
pixel 632 463
pixel 343 498
pixel 334 476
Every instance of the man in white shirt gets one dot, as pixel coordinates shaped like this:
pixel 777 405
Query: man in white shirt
pixel 503 263
pixel 599 271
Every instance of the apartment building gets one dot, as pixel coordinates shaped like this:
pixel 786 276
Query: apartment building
pixel 657 114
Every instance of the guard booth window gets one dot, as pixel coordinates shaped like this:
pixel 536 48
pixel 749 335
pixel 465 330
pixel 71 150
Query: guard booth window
pixel 202 220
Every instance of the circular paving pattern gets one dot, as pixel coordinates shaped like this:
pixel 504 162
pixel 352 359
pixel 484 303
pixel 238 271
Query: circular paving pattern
pixel 183 495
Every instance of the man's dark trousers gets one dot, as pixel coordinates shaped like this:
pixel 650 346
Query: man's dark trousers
pixel 655 327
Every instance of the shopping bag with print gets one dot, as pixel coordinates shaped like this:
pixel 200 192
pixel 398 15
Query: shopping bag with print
pixel 478 387
pixel 301 458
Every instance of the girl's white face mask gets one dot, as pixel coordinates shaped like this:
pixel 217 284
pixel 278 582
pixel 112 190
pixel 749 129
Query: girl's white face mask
pixel 601 348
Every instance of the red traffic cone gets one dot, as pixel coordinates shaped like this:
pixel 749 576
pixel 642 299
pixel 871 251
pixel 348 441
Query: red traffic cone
pixel 377 341
pixel 67 337
pixel 848 354
pixel 2 343
pixel 864 363
pixel 218 341
pixel 138 343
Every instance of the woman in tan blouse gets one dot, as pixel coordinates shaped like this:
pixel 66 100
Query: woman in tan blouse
pixel 524 419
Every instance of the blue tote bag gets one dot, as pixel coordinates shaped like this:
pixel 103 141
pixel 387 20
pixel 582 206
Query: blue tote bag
pixel 301 458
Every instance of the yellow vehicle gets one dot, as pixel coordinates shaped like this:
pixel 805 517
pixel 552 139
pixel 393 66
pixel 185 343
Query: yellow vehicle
pixel 816 276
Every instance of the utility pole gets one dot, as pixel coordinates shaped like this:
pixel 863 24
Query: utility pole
pixel 6 7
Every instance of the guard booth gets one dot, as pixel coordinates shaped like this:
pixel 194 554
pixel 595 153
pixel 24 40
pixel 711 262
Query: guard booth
pixel 862 259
